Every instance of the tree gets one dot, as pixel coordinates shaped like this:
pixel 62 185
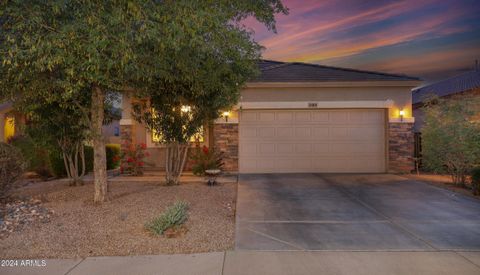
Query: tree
pixel 208 58
pixel 50 127
pixel 56 124
pixel 451 136
pixel 62 48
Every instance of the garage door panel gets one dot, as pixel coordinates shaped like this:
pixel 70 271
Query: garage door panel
pixel 302 117
pixel 312 141
pixel 321 117
pixel 266 148
pixel 338 117
pixel 248 132
pixel 266 117
pixel 248 149
pixel 285 132
pixel 285 117
pixel 321 148
pixel 303 132
pixel 320 133
pixel 286 148
pixel 337 133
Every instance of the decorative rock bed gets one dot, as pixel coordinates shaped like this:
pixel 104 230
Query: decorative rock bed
pixel 15 215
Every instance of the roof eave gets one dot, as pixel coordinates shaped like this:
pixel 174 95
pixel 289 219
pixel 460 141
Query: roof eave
pixel 390 83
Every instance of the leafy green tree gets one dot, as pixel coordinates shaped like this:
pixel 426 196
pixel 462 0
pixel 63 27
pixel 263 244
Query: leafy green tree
pixel 62 48
pixel 209 57
pixel 50 127
pixel 451 136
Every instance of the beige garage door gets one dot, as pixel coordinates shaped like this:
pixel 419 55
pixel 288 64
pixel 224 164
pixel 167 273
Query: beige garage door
pixel 286 141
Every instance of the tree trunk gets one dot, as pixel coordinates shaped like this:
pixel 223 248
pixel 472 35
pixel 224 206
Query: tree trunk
pixel 176 155
pixel 100 159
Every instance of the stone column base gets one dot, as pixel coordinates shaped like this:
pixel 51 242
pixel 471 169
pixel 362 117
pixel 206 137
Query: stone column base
pixel 225 138
pixel 400 147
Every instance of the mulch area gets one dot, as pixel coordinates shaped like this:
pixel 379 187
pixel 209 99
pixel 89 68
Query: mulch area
pixel 443 181
pixel 76 227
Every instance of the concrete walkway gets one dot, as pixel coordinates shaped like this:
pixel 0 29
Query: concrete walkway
pixel 275 263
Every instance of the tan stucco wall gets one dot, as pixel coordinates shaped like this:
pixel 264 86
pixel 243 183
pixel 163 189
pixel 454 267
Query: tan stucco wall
pixel 401 96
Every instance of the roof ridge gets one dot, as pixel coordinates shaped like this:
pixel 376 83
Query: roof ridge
pixel 445 80
pixel 355 70
pixel 276 66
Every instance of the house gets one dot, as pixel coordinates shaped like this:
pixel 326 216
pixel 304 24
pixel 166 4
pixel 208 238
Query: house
pixel 464 85
pixel 299 117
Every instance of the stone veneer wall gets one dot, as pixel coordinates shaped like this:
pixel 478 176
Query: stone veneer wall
pixel 126 134
pixel 225 138
pixel 400 147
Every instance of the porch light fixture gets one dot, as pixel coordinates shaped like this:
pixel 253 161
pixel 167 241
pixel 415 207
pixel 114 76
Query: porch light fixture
pixel 402 114
pixel 226 114
pixel 185 109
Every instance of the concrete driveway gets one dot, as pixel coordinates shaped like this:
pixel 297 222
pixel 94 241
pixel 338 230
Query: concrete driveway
pixel 371 212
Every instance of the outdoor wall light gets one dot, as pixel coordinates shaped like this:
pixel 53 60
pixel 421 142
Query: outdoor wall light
pixel 185 109
pixel 226 114
pixel 402 114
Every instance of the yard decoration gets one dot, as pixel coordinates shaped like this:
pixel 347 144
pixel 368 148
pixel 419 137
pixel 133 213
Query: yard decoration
pixel 205 158
pixel 187 50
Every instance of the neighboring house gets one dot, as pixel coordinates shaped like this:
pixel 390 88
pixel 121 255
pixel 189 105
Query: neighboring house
pixel 464 85
pixel 298 117
pixel 11 124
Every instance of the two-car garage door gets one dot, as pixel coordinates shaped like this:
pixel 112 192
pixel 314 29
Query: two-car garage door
pixel 321 140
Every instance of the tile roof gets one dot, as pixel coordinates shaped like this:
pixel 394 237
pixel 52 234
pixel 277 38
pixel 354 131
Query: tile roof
pixel 453 85
pixel 276 71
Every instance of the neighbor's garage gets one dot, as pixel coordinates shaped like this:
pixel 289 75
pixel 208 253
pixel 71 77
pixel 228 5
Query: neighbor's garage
pixel 320 140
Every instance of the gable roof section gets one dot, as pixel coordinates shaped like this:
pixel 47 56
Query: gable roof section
pixel 276 71
pixel 453 85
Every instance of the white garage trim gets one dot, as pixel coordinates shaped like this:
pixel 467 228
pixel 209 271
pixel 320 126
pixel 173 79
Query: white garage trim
pixel 317 104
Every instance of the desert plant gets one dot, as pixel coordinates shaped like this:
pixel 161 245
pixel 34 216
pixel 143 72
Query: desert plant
pixel 35 155
pixel 173 216
pixel 476 181
pixel 451 137
pixel 132 158
pixel 205 159
pixel 12 165
pixel 113 155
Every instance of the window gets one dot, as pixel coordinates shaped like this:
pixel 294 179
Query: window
pixel 116 131
pixel 9 128
pixel 199 136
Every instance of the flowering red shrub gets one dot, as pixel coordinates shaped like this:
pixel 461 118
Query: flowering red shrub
pixel 132 160
pixel 204 159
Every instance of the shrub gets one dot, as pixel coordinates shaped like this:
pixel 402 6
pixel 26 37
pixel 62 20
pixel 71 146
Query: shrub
pixel 132 159
pixel 205 159
pixel 12 165
pixel 450 137
pixel 173 216
pixel 58 166
pixel 36 157
pixel 476 181
pixel 113 155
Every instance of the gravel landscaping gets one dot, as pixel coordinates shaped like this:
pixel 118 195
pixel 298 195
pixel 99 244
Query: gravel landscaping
pixel 77 228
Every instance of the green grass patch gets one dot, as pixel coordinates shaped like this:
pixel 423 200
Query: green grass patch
pixel 173 216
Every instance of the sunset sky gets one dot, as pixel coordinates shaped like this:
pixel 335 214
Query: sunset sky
pixel 431 39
